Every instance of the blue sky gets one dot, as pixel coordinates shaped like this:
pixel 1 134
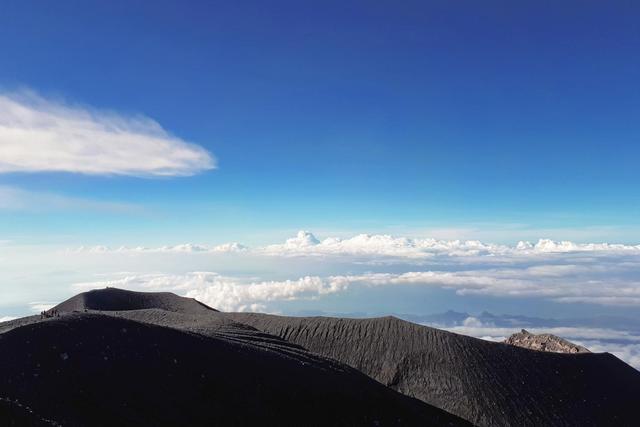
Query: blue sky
pixel 341 116
pixel 417 142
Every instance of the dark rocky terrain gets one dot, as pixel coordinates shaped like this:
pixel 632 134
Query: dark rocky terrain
pixel 489 384
pixel 544 342
pixel 15 414
pixel 128 368
pixel 113 357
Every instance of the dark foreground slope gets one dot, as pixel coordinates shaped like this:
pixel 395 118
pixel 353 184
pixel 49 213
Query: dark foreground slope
pixel 489 384
pixel 89 369
pixel 14 414
pixel 111 299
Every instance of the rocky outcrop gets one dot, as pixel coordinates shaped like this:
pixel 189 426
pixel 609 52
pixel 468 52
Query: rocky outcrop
pixel 544 342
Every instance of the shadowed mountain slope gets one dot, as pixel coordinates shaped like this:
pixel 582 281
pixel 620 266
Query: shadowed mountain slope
pixel 111 299
pixel 489 384
pixel 274 369
pixel 86 368
pixel 13 414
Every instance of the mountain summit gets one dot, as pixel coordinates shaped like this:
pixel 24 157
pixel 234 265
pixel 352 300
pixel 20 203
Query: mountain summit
pixel 114 299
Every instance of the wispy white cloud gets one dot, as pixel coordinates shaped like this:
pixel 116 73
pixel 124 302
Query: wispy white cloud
pixel 43 135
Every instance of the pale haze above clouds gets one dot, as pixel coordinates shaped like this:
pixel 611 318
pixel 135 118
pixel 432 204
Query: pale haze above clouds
pixel 20 200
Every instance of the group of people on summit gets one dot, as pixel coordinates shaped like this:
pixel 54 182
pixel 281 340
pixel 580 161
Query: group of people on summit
pixel 49 313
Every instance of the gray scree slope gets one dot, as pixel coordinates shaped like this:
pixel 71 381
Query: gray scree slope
pixel 489 384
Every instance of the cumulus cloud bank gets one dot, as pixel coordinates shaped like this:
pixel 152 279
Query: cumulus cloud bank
pixel 306 243
pixel 563 272
pixel 40 135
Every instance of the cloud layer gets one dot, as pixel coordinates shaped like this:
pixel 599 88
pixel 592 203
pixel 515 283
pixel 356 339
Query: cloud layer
pixel 562 272
pixel 382 245
pixel 40 135
pixel 226 293
pixel 305 243
pixel 233 294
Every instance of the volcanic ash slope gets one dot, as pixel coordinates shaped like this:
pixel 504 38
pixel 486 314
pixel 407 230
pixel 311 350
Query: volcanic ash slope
pixel 134 365
pixel 487 383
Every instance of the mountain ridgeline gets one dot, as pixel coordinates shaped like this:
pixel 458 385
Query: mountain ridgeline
pixel 116 357
pixel 487 383
pixel 114 299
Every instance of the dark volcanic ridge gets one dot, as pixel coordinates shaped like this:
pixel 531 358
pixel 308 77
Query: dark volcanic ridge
pixel 151 366
pixel 487 383
pixel 159 359
pixel 544 342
